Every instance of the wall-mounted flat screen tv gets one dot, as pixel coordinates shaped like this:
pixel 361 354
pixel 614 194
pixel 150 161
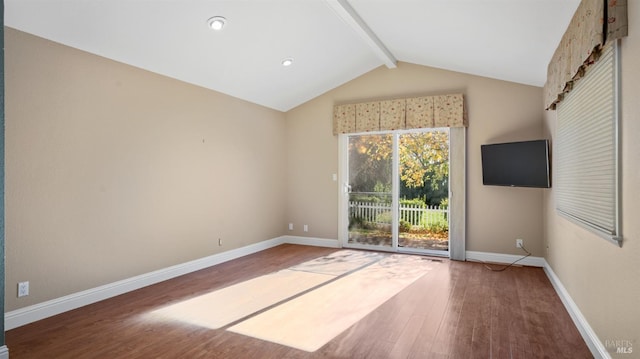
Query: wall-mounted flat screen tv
pixel 516 164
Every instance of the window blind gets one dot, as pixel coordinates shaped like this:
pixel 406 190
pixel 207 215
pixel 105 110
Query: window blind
pixel 586 149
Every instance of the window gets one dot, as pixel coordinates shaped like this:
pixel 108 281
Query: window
pixel 586 150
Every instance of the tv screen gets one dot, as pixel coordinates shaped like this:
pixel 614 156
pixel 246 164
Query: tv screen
pixel 516 164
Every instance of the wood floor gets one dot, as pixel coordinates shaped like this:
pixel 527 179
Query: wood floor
pixel 457 310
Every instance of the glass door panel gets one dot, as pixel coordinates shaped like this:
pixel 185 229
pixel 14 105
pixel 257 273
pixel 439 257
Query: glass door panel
pixel 370 189
pixel 423 160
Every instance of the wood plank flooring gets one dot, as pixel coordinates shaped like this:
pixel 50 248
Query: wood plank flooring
pixel 457 310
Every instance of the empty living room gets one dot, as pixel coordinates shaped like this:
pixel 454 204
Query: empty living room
pixel 320 179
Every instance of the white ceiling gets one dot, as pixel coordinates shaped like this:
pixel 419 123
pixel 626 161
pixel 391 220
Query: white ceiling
pixel 332 41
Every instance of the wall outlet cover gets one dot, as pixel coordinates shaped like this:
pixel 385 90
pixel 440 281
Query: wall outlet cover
pixel 23 289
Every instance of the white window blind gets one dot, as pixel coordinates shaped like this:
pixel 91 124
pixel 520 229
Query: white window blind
pixel 586 149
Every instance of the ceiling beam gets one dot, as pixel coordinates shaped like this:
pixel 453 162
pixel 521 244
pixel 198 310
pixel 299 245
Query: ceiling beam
pixel 351 18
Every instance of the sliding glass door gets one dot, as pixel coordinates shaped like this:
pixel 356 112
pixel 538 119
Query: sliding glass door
pixel 423 209
pixel 370 190
pixel 396 191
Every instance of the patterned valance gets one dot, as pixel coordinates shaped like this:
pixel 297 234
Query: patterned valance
pixel 408 113
pixel 595 23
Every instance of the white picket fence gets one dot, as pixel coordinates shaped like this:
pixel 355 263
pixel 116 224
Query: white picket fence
pixel 380 213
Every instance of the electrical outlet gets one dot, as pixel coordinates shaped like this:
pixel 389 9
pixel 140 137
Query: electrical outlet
pixel 219 241
pixel 291 226
pixel 23 289
pixel 519 243
pixel 306 228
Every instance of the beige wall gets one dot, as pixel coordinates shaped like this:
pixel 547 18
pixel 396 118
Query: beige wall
pixel 498 111
pixel 112 171
pixel 603 279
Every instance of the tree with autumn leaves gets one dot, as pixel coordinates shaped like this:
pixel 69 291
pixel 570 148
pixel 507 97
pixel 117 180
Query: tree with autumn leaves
pixel 424 165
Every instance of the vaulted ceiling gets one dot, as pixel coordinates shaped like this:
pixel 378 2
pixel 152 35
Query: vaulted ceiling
pixel 330 41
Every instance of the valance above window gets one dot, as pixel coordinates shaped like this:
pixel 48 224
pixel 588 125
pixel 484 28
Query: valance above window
pixel 398 114
pixel 595 23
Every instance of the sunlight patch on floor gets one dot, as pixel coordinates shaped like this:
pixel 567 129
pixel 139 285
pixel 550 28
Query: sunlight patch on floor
pixel 222 307
pixel 306 305
pixel 310 321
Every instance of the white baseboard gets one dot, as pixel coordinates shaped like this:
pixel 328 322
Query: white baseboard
pixel 598 350
pixel 4 352
pixel 504 258
pixel 310 241
pixel 30 314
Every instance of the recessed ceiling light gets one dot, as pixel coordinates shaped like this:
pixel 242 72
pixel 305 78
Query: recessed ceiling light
pixel 287 62
pixel 217 23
